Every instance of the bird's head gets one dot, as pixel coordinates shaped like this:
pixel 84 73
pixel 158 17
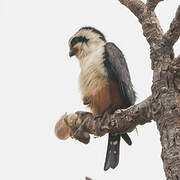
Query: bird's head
pixel 85 41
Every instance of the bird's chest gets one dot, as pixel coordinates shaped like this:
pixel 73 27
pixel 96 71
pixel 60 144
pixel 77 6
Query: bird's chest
pixel 93 76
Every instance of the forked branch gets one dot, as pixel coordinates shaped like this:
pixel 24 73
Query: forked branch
pixel 150 25
pixel 137 7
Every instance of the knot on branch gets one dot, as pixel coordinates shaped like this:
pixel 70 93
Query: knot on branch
pixel 156 107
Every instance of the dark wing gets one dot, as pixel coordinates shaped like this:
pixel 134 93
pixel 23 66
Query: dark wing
pixel 117 70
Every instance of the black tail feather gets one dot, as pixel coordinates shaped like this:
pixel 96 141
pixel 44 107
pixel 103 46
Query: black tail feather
pixel 126 138
pixel 112 154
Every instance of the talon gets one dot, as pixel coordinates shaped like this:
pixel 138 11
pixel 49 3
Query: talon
pixel 82 113
pixel 98 116
pixel 102 124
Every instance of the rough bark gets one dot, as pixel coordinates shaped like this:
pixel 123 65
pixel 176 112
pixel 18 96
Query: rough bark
pixel 151 4
pixel 164 104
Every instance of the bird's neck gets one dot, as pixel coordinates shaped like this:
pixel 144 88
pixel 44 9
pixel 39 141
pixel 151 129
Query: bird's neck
pixel 93 56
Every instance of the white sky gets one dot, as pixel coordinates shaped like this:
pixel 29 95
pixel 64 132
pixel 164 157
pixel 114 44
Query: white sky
pixel 39 82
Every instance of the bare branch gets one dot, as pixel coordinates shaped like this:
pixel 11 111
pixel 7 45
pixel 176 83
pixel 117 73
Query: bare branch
pixel 136 6
pixel 150 25
pixel 151 4
pixel 172 35
pixel 123 120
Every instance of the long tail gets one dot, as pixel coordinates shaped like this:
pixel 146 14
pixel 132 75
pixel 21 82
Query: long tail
pixel 112 154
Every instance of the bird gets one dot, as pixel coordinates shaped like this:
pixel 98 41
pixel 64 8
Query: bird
pixel 104 81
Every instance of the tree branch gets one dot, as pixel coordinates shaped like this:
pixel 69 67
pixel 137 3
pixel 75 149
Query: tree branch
pixel 148 19
pixel 82 124
pixel 151 4
pixel 137 7
pixel 150 25
pixel 172 35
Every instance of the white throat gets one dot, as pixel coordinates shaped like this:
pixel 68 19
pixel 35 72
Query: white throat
pixel 93 73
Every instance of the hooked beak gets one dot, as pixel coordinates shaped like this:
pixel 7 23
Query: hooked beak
pixel 72 52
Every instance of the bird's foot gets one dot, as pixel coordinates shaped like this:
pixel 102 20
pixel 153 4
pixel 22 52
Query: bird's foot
pixel 102 125
pixel 96 117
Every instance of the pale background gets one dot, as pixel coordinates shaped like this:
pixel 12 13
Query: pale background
pixel 39 82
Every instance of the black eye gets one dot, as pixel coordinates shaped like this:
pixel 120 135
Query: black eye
pixel 75 40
